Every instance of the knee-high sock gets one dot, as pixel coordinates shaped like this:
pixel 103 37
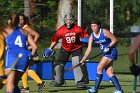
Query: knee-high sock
pixel 16 89
pixel 98 80
pixel 34 76
pixel 25 80
pixel 115 82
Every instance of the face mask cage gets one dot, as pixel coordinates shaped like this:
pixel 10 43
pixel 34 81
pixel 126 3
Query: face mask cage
pixel 68 16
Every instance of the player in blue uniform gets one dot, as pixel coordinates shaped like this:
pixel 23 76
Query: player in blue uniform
pixel 16 43
pixel 106 41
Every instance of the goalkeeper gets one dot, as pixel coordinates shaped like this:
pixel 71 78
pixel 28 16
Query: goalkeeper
pixel 71 46
pixel 134 68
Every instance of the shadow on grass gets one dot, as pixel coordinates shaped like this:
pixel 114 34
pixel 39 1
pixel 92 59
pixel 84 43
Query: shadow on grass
pixel 77 89
pixel 106 86
pixel 67 89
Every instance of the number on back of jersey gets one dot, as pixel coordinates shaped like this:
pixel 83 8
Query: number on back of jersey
pixel 18 41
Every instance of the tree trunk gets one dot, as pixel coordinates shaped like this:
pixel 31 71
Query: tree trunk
pixel 64 7
pixel 29 7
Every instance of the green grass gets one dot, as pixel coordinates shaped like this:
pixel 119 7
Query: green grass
pixel 120 65
pixel 126 81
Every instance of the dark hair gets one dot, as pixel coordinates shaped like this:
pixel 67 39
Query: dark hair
pixel 25 18
pixel 95 21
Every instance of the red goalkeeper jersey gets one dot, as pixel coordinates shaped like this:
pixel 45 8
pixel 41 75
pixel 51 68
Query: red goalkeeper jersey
pixel 70 38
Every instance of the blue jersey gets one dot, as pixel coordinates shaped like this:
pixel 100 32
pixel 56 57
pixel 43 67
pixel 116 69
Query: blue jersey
pixel 103 42
pixel 16 44
pixel 16 40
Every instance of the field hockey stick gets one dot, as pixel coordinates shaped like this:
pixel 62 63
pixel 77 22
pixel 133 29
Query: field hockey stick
pixel 75 66
pixel 135 77
pixel 12 67
pixel 50 58
pixel 44 60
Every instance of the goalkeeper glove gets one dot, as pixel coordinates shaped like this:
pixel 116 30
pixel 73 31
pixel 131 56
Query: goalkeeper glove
pixel 48 52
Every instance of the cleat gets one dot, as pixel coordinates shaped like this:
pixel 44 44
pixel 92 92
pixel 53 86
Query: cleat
pixel 41 86
pixel 117 91
pixel 25 89
pixel 92 90
pixel 55 84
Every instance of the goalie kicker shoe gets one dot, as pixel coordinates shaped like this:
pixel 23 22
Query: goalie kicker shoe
pixel 92 90
pixel 56 84
pixel 81 84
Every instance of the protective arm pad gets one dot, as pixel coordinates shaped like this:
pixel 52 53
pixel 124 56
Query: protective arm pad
pixel 84 40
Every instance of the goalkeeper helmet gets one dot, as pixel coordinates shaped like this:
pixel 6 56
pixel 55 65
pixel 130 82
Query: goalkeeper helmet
pixel 69 20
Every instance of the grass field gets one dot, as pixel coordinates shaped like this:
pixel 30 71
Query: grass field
pixel 126 82
pixel 120 65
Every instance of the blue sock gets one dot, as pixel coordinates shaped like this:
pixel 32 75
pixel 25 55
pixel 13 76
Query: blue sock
pixel 98 80
pixel 16 89
pixel 8 92
pixel 115 82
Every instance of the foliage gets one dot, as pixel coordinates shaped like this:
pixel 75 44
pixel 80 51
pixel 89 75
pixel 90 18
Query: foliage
pixel 91 8
pixel 8 6
pixel 126 14
pixel 95 9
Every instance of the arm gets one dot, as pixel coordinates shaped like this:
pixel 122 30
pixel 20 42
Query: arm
pixel 2 46
pixel 52 45
pixel 48 51
pixel 32 32
pixel 133 49
pixel 33 44
pixel 3 35
pixel 88 49
pixel 108 34
pixel 84 34
pixel 55 39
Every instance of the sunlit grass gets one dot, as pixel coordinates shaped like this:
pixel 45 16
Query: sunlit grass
pixel 126 81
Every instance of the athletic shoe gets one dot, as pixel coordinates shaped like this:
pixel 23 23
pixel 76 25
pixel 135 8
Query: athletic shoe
pixel 117 91
pixel 41 86
pixel 16 89
pixel 55 84
pixel 81 84
pixel 25 89
pixel 92 90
